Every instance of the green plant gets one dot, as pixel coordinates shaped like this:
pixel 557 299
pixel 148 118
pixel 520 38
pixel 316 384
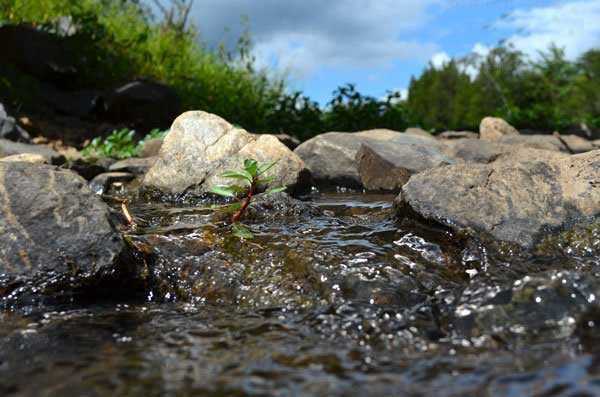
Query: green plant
pixel 119 144
pixel 252 180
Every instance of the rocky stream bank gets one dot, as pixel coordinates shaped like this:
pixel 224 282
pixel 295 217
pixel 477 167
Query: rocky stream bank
pixel 395 263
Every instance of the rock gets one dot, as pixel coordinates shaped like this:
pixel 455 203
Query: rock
pixel 201 146
pixel 382 166
pixel 9 129
pixel 544 142
pixel 101 183
pixel 9 148
pixel 151 147
pixel 596 143
pixel 31 158
pixel 142 105
pixel 89 168
pixel 574 143
pixel 458 135
pixel 136 166
pixel 481 151
pixel 331 157
pixel 418 132
pixel 492 128
pixel 52 224
pixel 514 202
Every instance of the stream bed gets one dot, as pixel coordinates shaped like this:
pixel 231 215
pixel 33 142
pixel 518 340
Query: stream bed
pixel 333 297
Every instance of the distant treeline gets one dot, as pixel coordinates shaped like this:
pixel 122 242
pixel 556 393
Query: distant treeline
pixel 122 39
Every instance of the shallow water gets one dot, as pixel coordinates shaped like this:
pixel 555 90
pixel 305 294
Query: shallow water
pixel 332 298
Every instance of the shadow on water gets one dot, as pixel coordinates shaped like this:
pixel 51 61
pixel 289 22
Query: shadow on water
pixel 333 297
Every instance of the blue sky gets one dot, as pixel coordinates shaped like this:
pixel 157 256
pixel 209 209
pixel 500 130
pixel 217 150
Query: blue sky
pixel 380 44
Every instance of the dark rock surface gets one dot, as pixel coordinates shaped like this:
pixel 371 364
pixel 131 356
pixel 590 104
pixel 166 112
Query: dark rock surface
pixel 102 182
pixel 52 224
pixel 9 129
pixel 134 165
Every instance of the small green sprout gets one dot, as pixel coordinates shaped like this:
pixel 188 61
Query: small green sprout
pixel 250 179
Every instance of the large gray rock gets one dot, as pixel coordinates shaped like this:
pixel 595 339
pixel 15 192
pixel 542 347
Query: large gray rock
pixel 51 224
pixel 331 157
pixel 492 128
pixel 511 201
pixel 201 146
pixel 482 151
pixel 537 141
pixel 575 143
pixel 382 166
pixel 9 148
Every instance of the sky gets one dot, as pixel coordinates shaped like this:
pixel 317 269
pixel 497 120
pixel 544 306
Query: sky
pixel 380 44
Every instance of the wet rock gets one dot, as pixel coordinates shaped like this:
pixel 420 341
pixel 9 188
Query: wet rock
pixel 201 146
pixel 102 182
pixel 141 104
pixel 151 147
pixel 382 167
pixel 331 157
pixel 52 224
pixel 492 128
pixel 137 166
pixel 9 129
pixel 9 148
pixel 515 202
pixel 458 135
pixel 25 158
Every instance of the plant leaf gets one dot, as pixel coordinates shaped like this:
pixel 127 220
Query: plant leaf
pixel 242 174
pixel 275 190
pixel 241 231
pixel 250 166
pixel 266 167
pixel 225 191
pixel 265 181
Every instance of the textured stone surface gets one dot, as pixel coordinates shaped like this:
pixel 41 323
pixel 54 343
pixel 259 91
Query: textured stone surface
pixel 516 202
pixel 25 158
pixel 492 128
pixel 387 167
pixel 9 148
pixel 137 166
pixel 481 151
pixel 201 146
pixel 331 157
pixel 50 221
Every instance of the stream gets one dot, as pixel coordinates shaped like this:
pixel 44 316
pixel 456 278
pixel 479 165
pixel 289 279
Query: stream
pixel 333 297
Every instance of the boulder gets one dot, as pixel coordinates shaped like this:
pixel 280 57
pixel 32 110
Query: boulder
pixel 9 129
pixel 544 142
pixel 482 151
pixel 575 143
pixel 492 128
pixel 151 147
pixel 9 148
pixel 290 141
pixel 31 158
pixel 458 135
pixel 141 105
pixel 331 157
pixel 52 224
pixel 417 131
pixel 382 166
pixel 515 202
pixel 201 146
pixel 596 143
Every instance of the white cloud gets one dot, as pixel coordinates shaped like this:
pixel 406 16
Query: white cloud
pixel 304 35
pixel 574 25
pixel 439 59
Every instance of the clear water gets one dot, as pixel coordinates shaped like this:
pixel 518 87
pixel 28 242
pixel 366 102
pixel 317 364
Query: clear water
pixel 333 297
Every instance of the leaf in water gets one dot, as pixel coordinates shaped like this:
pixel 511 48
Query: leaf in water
pixel 225 191
pixel 241 231
pixel 266 167
pixel 275 190
pixel 242 174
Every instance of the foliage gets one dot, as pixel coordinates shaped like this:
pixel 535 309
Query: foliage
pixel 251 180
pixel 120 144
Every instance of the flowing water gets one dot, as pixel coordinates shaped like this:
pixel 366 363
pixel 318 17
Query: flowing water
pixel 333 297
